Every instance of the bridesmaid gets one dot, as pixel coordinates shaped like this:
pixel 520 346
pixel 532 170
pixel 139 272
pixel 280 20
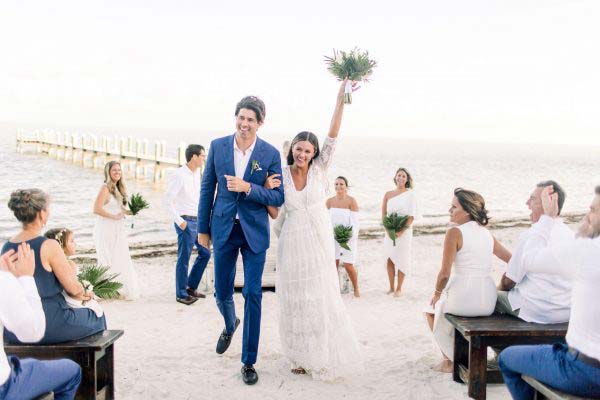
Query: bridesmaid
pixel 402 201
pixel 110 237
pixel 52 274
pixel 344 211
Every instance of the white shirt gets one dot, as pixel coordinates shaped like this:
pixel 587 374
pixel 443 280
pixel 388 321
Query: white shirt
pixel 539 297
pixel 577 260
pixel 183 193
pixel 20 312
pixel 241 160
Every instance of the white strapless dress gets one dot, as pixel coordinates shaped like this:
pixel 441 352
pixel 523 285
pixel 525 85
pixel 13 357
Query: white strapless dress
pixel 401 253
pixel 112 250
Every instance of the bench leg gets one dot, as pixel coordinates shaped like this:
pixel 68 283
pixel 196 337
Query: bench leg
pixel 110 373
pixel 461 355
pixel 477 370
pixel 88 388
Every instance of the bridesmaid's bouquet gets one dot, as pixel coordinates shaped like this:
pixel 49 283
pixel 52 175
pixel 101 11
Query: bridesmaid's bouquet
pixel 95 278
pixel 394 223
pixel 342 235
pixel 136 204
pixel 354 65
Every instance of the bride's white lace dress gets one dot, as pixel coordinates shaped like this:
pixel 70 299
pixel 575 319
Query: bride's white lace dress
pixel 315 329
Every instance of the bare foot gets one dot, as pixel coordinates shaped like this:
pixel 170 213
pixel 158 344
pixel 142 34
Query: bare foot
pixel 356 293
pixel 390 291
pixel 298 371
pixel 446 366
pixel 397 293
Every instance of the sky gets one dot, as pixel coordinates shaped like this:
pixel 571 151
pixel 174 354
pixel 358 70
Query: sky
pixel 498 71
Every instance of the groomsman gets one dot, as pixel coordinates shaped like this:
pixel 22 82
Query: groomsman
pixel 181 201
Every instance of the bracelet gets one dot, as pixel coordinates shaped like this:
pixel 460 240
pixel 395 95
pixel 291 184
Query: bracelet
pixel 438 291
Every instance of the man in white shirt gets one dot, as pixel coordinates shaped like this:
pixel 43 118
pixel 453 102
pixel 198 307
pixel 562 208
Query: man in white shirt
pixel 21 313
pixel 181 201
pixel 573 368
pixel 535 296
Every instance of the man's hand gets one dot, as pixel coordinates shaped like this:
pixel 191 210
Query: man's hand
pixel 25 265
pixel 235 184
pixel 183 225
pixel 550 202
pixel 204 240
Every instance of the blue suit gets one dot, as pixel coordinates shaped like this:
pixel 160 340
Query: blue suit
pixel 250 236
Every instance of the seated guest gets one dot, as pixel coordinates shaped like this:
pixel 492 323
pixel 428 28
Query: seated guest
pixel 21 313
pixel 469 291
pixel 573 368
pixel 535 296
pixel 53 273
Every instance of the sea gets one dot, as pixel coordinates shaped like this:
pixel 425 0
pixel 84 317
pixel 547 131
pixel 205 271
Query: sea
pixel 503 173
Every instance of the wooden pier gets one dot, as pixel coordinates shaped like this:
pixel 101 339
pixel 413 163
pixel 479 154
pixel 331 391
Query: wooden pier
pixel 134 155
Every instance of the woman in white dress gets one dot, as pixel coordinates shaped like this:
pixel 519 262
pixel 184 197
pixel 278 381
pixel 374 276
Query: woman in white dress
pixel 110 236
pixel 402 201
pixel 468 291
pixel 314 327
pixel 344 211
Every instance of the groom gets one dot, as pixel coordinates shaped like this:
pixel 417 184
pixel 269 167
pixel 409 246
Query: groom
pixel 236 219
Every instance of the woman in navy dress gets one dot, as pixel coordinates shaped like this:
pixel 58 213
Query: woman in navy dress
pixel 52 275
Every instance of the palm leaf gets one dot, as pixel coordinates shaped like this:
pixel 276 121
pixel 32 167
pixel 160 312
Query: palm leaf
pixel 394 223
pixel 137 203
pixel 104 284
pixel 354 65
pixel 342 235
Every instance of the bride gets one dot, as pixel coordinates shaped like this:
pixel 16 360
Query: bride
pixel 316 332
pixel 110 237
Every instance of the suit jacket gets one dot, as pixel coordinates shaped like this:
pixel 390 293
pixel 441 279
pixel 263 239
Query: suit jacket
pixel 217 211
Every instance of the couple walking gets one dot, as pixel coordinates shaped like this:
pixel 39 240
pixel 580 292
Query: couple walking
pixel 246 174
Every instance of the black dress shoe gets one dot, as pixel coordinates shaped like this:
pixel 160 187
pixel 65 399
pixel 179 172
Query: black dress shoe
pixel 249 375
pixel 225 338
pixel 187 300
pixel 195 293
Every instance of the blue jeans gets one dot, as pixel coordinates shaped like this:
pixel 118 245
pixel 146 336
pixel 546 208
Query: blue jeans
pixel 225 268
pixel 186 240
pixel 30 378
pixel 552 365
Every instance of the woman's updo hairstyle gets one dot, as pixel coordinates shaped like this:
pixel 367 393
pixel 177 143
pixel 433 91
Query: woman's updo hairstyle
pixel 474 204
pixel 304 137
pixel 27 203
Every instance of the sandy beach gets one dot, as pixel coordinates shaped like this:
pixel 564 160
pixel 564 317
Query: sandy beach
pixel 168 350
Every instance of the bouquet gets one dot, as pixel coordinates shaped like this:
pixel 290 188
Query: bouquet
pixel 342 235
pixel 353 65
pixel 394 223
pixel 95 278
pixel 136 204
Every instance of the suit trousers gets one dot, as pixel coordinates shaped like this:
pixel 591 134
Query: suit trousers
pixel 225 269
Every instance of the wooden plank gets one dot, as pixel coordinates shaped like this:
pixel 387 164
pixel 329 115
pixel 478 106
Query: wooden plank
pixel 548 392
pixel 504 325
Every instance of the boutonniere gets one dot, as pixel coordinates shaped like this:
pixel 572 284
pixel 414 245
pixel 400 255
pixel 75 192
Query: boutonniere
pixel 255 167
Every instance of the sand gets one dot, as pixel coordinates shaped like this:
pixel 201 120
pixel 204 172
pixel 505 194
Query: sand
pixel 168 350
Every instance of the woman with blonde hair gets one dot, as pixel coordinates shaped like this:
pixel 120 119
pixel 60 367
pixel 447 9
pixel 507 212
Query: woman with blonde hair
pixel 467 289
pixel 110 237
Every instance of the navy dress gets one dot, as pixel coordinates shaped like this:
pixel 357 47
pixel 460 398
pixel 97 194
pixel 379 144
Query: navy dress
pixel 63 323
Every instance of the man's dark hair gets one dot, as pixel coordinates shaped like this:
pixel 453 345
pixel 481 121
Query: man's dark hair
pixel 558 190
pixel 193 150
pixel 597 190
pixel 252 103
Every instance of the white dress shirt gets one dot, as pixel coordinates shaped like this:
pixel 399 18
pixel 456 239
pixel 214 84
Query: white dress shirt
pixel 20 312
pixel 539 297
pixel 241 160
pixel 183 193
pixel 577 260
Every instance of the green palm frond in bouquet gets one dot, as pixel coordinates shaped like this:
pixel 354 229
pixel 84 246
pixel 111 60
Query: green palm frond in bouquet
pixel 136 204
pixel 342 235
pixel 354 65
pixel 97 278
pixel 394 223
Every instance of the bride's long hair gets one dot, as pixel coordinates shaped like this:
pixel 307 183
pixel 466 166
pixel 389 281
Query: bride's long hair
pixel 304 137
pixel 117 189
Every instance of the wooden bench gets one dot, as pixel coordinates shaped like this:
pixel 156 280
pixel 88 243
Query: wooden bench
pixel 545 392
pixel 474 335
pixel 95 355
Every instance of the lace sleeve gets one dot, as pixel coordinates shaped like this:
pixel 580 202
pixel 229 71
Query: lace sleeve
pixel 326 155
